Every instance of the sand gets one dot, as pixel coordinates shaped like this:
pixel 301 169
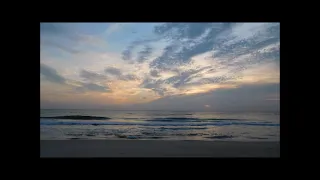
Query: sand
pixel 156 148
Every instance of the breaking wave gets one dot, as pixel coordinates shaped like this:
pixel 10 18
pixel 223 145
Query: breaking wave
pixel 219 123
pixel 77 117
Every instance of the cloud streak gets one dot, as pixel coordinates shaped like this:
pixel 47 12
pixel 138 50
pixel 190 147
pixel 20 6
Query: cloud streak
pixel 92 87
pixel 177 60
pixel 92 76
pixel 63 37
pixel 113 71
pixel 51 74
pixel 59 46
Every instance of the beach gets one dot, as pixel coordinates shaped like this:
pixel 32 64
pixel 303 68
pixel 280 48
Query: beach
pixel 157 148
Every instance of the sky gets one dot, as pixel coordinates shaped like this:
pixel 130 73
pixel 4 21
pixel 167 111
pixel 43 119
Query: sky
pixel 160 66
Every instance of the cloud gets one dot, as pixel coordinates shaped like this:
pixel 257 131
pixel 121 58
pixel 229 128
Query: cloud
pixel 186 76
pixel 116 27
pixel 92 87
pixel 57 30
pixel 128 77
pixel 64 37
pixel 52 28
pixel 113 28
pixel 144 54
pixel 154 73
pixel 113 71
pixel 118 75
pixel 158 86
pixel 225 41
pixel 90 40
pixel 59 46
pixel 127 54
pixel 243 98
pixel 187 40
pixel 51 74
pixel 92 76
pixel 161 85
pixel 178 60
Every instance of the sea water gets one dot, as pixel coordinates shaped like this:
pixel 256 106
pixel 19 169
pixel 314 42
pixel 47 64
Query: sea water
pixel 160 125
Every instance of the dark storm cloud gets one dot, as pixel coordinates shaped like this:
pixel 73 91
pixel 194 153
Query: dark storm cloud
pixel 51 74
pixel 92 76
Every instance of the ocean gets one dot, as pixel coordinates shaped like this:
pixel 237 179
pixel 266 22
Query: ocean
pixel 159 125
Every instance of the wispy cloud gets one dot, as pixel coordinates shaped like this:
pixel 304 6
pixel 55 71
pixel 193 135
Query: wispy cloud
pixel 51 74
pixel 59 46
pixel 179 59
pixel 144 54
pixel 113 28
pixel 113 71
pixel 92 87
pixel 127 54
pixel 92 76
pixel 64 37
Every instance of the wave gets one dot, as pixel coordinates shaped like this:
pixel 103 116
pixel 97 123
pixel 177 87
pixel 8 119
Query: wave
pixel 163 119
pixel 77 117
pixel 163 114
pixel 220 137
pixel 52 122
pixel 191 119
pixel 180 128
pixel 172 119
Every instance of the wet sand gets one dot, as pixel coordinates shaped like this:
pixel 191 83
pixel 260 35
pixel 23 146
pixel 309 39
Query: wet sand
pixel 156 148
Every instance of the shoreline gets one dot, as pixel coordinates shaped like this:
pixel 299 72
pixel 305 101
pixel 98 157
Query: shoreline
pixel 157 148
